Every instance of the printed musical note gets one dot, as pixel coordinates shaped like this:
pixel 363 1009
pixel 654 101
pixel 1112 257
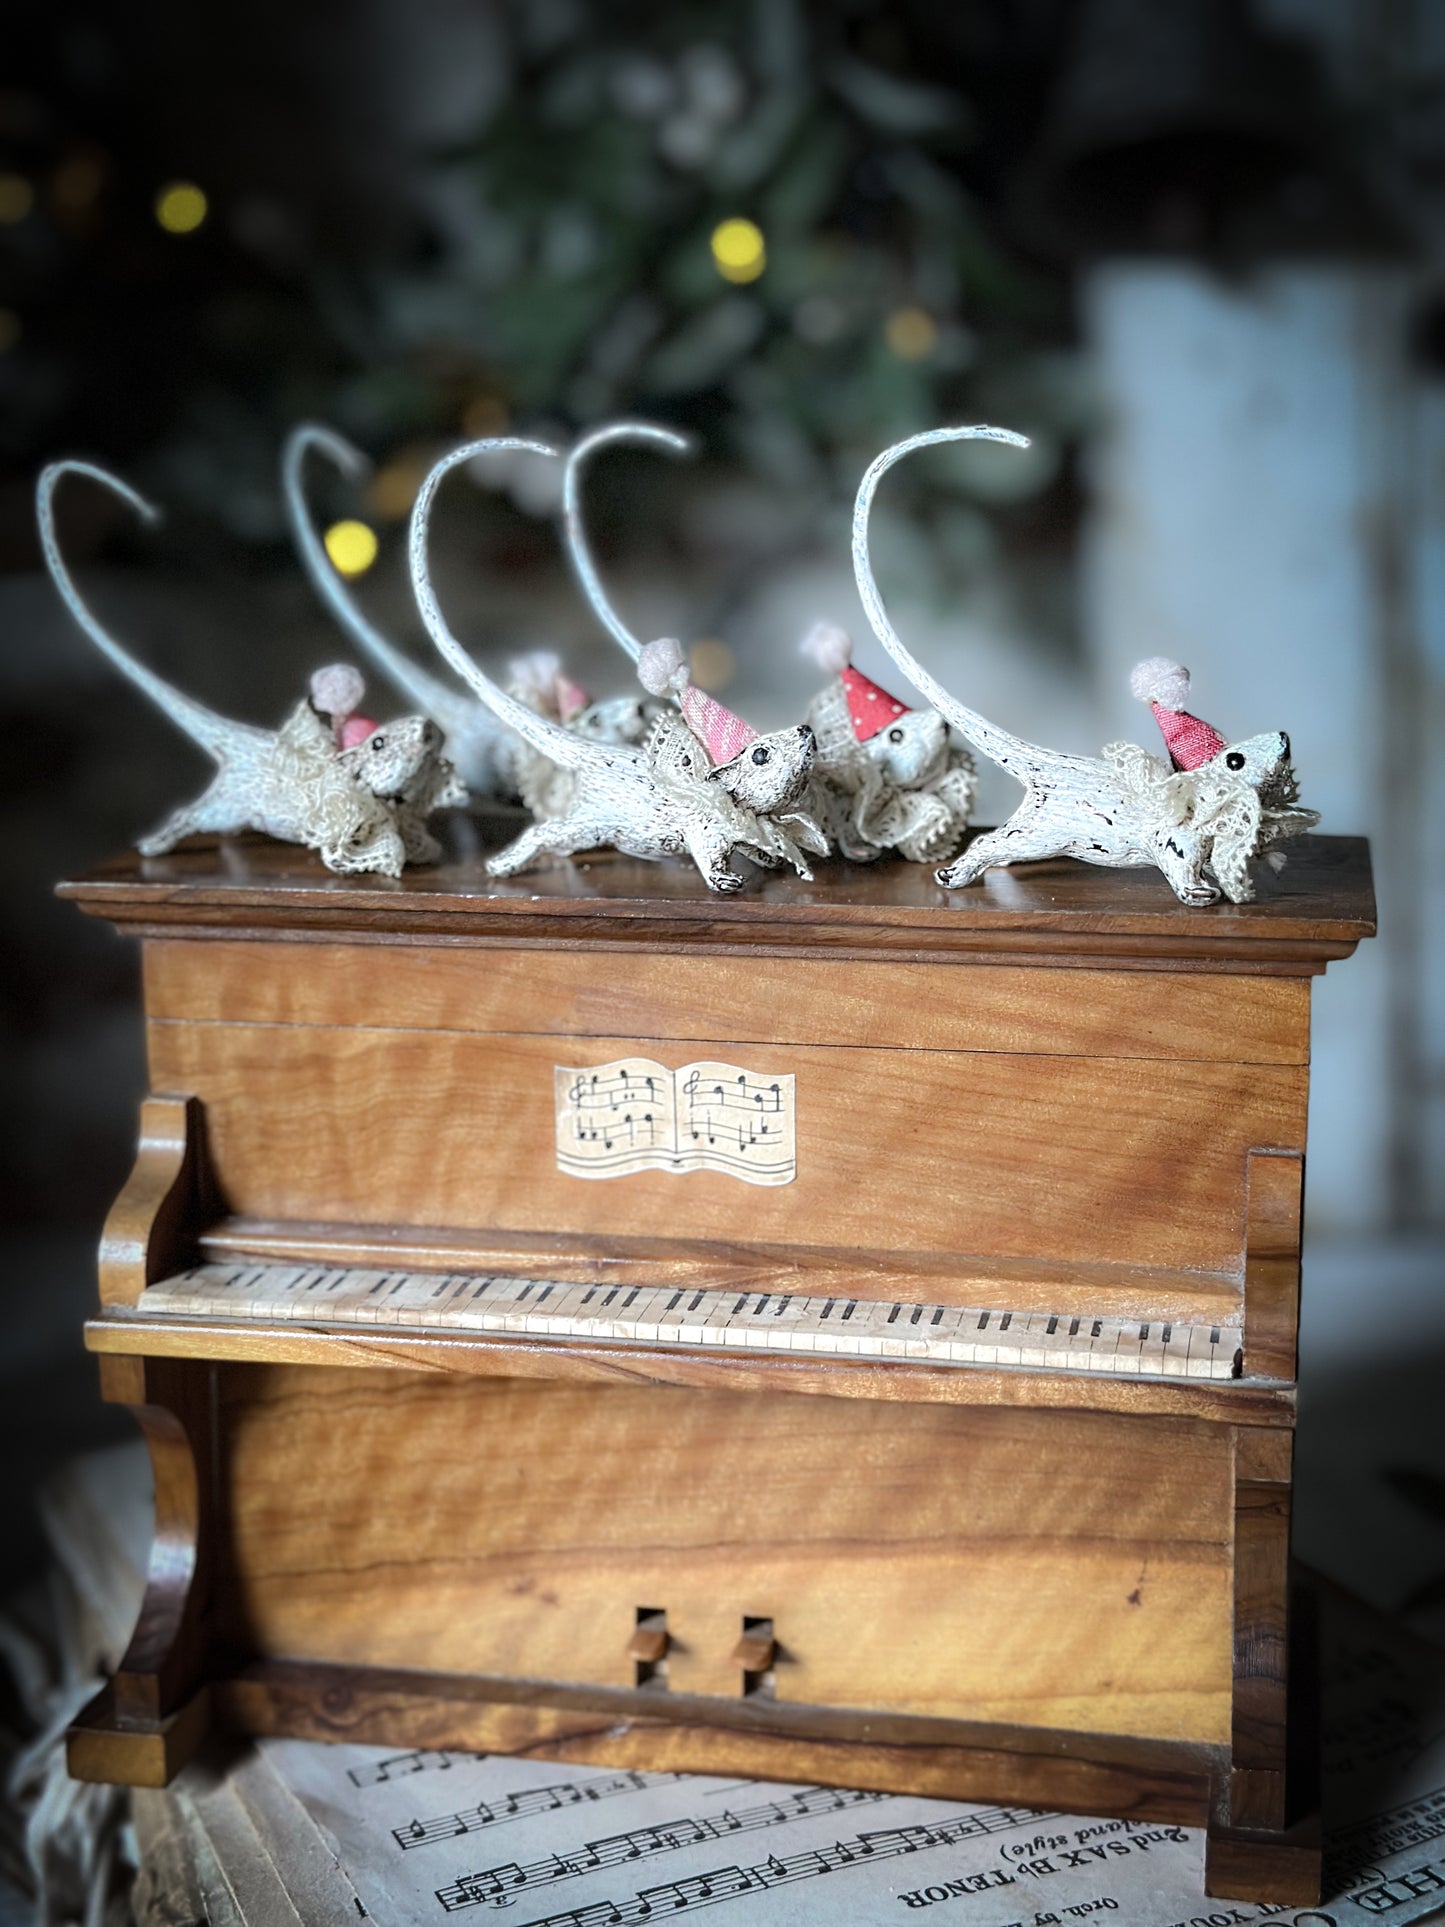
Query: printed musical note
pixel 727 1883
pixel 620 1849
pixel 519 1806
pixel 634 1115
pixel 401 1765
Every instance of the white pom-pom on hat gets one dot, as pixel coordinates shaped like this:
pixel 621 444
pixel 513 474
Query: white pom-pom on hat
pixel 536 672
pixel 337 689
pixel 661 667
pixel 828 646
pixel 1158 680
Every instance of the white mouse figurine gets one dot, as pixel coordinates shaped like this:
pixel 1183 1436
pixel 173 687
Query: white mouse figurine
pixel 667 797
pixel 874 789
pixel 489 758
pixel 359 798
pixel 1201 822
pixel 887 777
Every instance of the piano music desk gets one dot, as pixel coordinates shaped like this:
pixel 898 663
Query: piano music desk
pixel 958 1463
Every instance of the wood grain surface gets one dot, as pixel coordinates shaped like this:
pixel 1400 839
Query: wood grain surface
pixel 1226 1402
pixel 1101 1160
pixel 755 1000
pixel 1158 1780
pixel 1059 1569
pixel 1318 909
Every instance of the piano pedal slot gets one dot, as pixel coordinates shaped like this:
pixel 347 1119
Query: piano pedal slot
pixel 648 1648
pixel 756 1653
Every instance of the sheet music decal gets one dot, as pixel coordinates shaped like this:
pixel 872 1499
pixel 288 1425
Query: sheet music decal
pixel 635 1115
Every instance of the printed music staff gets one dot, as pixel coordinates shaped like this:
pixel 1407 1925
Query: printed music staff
pixel 636 1115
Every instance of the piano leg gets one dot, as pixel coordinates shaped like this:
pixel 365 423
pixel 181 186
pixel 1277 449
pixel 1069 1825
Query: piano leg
pixel 144 1726
pixel 1279 1863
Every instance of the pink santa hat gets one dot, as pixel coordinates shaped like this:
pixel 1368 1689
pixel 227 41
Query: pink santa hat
pixel 662 671
pixel 336 692
pixel 540 673
pixel 870 707
pixel 1164 685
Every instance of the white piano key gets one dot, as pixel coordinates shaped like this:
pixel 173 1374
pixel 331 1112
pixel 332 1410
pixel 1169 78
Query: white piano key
pixel 828 1325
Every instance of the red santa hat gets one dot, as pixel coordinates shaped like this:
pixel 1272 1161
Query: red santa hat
pixel 1164 685
pixel 870 708
pixel 662 672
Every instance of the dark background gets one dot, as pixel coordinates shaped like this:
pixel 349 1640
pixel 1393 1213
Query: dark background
pixel 436 217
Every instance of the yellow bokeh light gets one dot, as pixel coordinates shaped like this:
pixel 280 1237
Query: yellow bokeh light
pixel 711 663
pixel 17 197
pixel 9 330
pixel 181 207
pixel 352 547
pixel 738 250
pixel 911 333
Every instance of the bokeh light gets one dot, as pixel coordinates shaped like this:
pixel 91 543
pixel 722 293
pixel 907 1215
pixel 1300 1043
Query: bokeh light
pixel 17 197
pixel 181 207
pixel 351 546
pixel 395 487
pixel 711 664
pixel 738 250
pixel 911 333
pixel 484 415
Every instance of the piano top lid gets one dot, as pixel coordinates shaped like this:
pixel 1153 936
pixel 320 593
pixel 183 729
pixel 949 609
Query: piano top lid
pixel 1316 910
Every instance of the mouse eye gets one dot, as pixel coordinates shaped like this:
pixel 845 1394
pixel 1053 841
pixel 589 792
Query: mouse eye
pixel 761 755
pixel 1234 760
pixel 687 762
pixel 895 735
pixel 377 742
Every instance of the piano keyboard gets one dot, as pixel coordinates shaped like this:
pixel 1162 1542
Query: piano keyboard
pixel 735 1321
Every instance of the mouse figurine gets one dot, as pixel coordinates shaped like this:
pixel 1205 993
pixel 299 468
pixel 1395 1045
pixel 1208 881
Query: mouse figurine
pixel 673 795
pixel 356 792
pixel 538 680
pixel 1200 821
pixel 490 759
pixel 887 777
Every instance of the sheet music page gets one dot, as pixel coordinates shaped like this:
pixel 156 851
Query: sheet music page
pixel 636 1115
pixel 428 1837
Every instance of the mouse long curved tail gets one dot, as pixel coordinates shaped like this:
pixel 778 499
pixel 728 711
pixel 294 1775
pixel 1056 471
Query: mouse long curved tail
pixel 450 710
pixel 203 725
pixel 560 745
pixel 575 535
pixel 1011 753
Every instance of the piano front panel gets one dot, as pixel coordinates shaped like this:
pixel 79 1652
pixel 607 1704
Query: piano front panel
pixel 1087 1160
pixel 1054 1570
pixel 1164 1015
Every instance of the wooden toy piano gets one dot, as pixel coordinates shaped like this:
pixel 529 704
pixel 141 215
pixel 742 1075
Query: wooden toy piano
pixel 840 1332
